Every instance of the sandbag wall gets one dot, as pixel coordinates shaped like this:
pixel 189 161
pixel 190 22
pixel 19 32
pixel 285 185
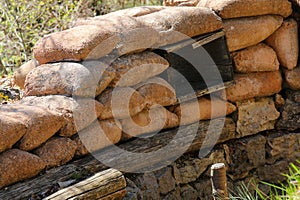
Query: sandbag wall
pixel 77 72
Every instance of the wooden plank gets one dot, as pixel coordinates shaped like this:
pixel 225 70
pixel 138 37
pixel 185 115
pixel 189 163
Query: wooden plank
pixel 42 185
pixel 102 184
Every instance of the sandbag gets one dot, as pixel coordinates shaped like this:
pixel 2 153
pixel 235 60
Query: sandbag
pixel 147 121
pixel 203 109
pixel 121 103
pixel 157 91
pixel 135 68
pixel 72 79
pixel 246 8
pixel 255 58
pixel 286 43
pixel 17 165
pixel 245 32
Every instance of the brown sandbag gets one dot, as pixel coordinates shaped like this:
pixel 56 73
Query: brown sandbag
pixel 17 165
pixel 286 43
pixel 256 58
pixel 121 103
pixel 203 109
pixel 56 151
pixel 246 8
pixel 157 91
pixel 248 31
pixel 135 68
pixel 98 135
pixel 72 79
pixel 147 121
pixel 76 113
pixel 21 73
pixel 178 23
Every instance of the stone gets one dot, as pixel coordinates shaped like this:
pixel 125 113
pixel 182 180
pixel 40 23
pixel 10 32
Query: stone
pixel 76 113
pixel 180 2
pixel 147 182
pixel 157 91
pixel 100 134
pixel 41 124
pixel 246 8
pixel 245 32
pixel 56 151
pixel 203 109
pixel 128 33
pixel 255 58
pixel 11 131
pixel 137 11
pixel 255 116
pixel 121 103
pixel 252 85
pixel 21 73
pixel 282 146
pixel 279 101
pixel 203 188
pixel 273 173
pixel 17 165
pixel 149 121
pixel 76 44
pixel 286 43
pixel 290 118
pixel 132 191
pixel 70 79
pixel 179 23
pixel 135 68
pixel 166 181
pixel 245 154
pixel 188 192
pixel 292 78
pixel 173 195
pixel 80 150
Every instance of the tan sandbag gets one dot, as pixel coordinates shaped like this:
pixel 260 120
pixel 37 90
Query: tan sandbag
pixel 130 32
pixel 121 103
pixel 56 151
pixel 11 131
pixel 98 135
pixel 157 91
pixel 203 109
pixel 256 58
pixel 135 68
pixel 292 79
pixel 187 21
pixel 245 32
pixel 77 113
pixel 41 124
pixel 252 85
pixel 136 11
pixel 17 165
pixel 286 44
pixel 21 73
pixel 72 79
pixel 147 121
pixel 180 2
pixel 246 8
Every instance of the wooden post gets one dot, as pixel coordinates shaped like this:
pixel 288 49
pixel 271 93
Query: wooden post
pixel 219 182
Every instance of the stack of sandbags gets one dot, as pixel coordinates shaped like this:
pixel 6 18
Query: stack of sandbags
pixel 261 38
pixel 96 83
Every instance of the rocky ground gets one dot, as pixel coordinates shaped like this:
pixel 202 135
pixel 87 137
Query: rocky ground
pixel 9 93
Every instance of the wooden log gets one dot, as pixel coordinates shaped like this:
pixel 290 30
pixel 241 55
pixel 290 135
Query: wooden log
pixel 41 186
pixel 106 184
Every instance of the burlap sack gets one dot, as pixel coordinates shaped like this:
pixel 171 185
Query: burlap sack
pixel 246 8
pixel 121 103
pixel 135 68
pixel 248 31
pixel 99 135
pixel 157 91
pixel 286 43
pixel 256 58
pixel 203 109
pixel 17 165
pixel 147 121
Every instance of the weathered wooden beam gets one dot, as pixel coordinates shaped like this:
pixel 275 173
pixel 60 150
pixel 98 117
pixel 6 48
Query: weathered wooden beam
pixel 105 184
pixel 41 185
